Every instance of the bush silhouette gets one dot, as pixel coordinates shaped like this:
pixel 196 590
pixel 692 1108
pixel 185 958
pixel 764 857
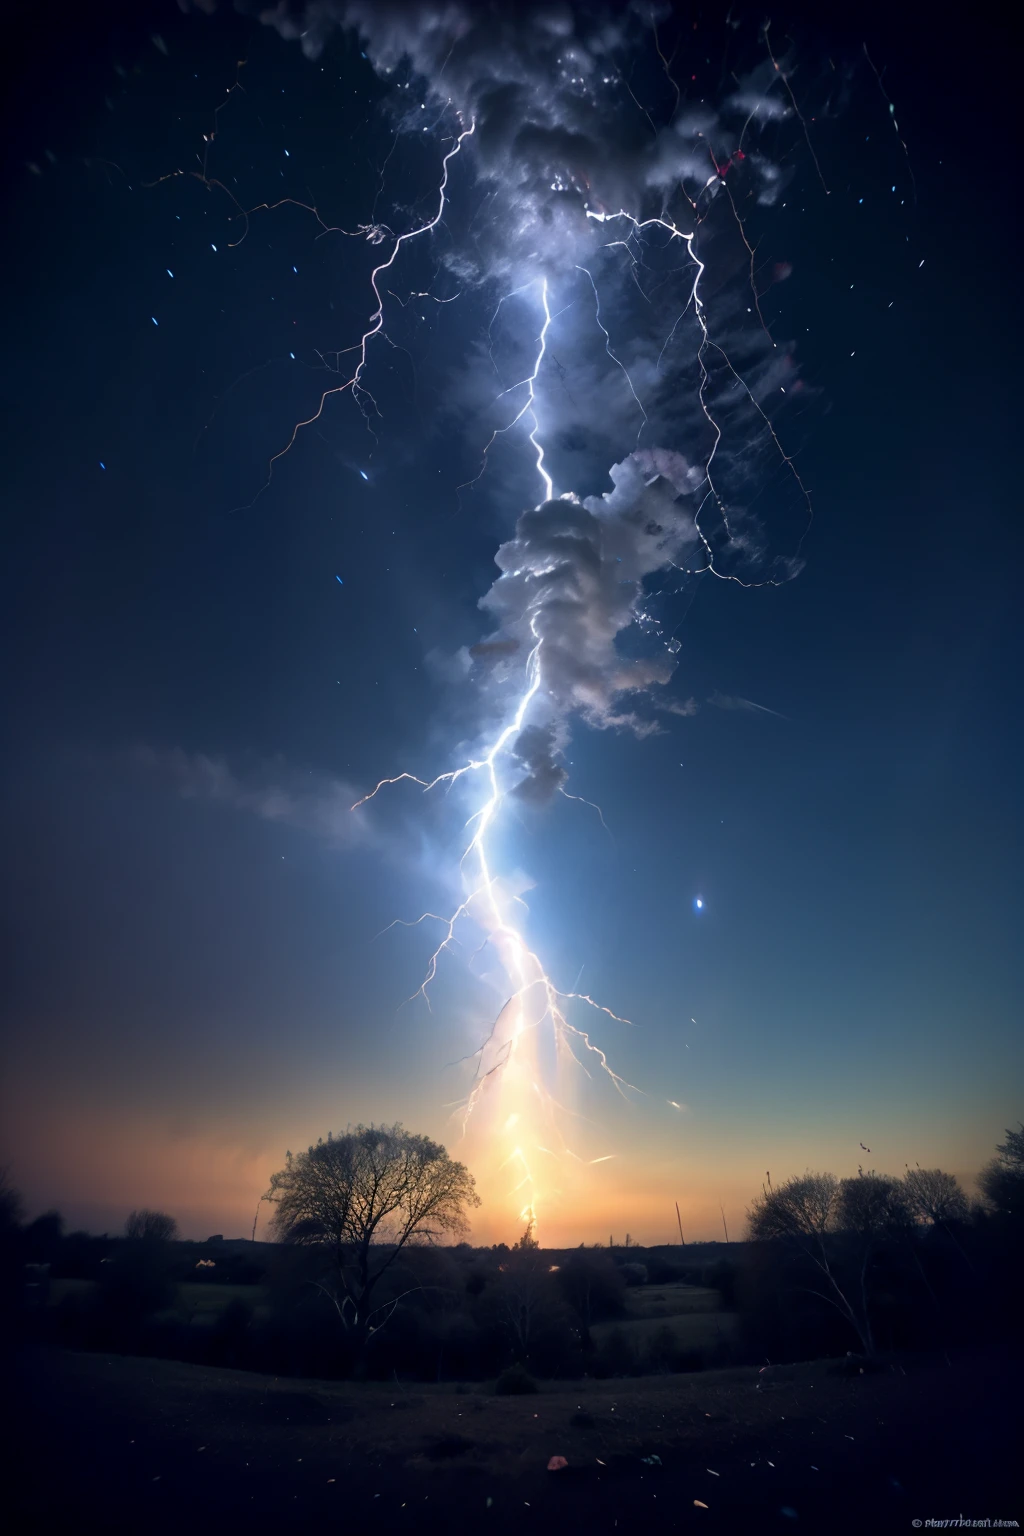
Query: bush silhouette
pixel 515 1381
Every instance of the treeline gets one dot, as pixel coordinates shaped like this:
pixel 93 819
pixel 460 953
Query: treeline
pixel 865 1266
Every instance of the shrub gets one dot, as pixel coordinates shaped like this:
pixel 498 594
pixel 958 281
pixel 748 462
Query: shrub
pixel 515 1381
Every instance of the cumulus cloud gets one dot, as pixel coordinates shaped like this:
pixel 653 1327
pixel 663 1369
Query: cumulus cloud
pixel 536 750
pixel 572 581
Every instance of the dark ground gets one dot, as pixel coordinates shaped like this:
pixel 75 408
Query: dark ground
pixel 121 1444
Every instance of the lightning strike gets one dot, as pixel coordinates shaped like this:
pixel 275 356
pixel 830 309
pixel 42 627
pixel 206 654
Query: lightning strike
pixel 536 1018
pixel 528 408
pixel 510 1051
pixel 376 234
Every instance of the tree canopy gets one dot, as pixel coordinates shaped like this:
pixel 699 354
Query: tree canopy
pixel 933 1196
pixel 1002 1180
pixel 836 1226
pixel 363 1197
pixel 151 1226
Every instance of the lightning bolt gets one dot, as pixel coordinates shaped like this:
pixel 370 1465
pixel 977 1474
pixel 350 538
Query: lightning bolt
pixel 608 348
pixel 508 1059
pixel 706 343
pixel 376 234
pixel 509 1054
pixel 528 408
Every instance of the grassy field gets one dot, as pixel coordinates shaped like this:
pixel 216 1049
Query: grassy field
pixel 674 1300
pixel 692 1314
pixel 197 1300
pixel 693 1330
pixel 152 1444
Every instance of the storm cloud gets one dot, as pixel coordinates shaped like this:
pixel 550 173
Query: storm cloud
pixel 558 131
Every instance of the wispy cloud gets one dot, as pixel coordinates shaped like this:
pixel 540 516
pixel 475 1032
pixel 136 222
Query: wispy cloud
pixel 273 791
pixel 684 707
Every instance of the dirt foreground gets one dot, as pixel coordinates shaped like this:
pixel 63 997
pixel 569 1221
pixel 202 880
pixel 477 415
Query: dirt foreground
pixel 123 1444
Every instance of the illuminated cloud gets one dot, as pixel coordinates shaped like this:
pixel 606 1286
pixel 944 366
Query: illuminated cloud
pixel 557 127
pixel 573 578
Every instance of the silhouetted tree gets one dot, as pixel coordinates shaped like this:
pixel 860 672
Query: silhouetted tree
pixel 150 1226
pixel 593 1286
pixel 872 1206
pixel 41 1239
pixel 11 1209
pixel 872 1209
pixel 135 1280
pixel 11 1213
pixel 1002 1180
pixel 361 1198
pixel 933 1196
pixel 804 1213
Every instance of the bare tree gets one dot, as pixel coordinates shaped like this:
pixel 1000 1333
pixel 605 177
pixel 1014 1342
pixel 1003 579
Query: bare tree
pixel 805 1212
pixel 934 1197
pixel 151 1226
pixel 361 1198
pixel 873 1208
pixel 872 1205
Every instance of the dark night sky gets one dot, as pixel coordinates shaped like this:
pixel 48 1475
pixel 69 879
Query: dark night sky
pixel 190 694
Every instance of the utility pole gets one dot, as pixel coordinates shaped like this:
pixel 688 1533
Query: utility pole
pixel 679 1219
pixel 721 1207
